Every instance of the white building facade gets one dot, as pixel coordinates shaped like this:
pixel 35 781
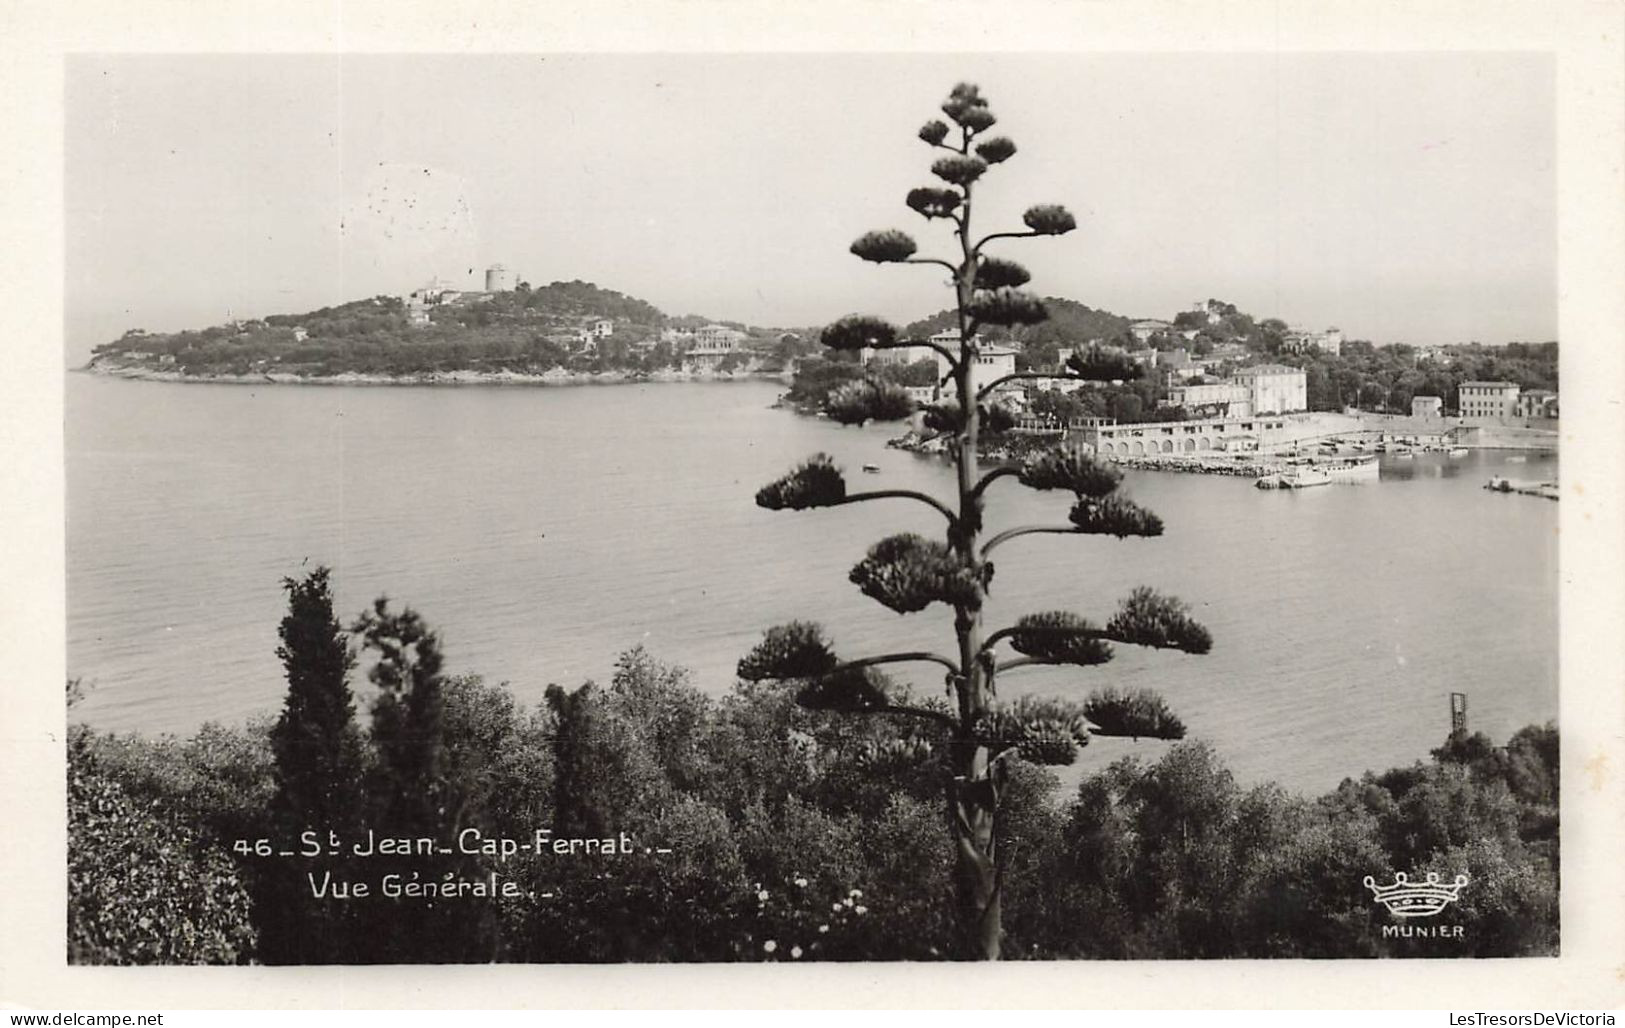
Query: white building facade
pixel 1488 400
pixel 1275 388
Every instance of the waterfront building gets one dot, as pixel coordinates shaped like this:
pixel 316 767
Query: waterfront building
pixel 1427 407
pixel 718 337
pixel 1232 398
pixel 1275 388
pixel 1216 435
pixel 712 345
pixel 1537 403
pixel 1488 400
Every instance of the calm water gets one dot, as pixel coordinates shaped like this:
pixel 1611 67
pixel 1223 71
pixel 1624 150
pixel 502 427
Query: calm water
pixel 546 530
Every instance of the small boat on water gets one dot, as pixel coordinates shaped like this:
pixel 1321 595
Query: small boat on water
pixel 1517 459
pixel 873 469
pixel 1458 451
pixel 1405 455
pixel 1306 476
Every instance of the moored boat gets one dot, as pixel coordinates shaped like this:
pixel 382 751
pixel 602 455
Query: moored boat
pixel 1306 476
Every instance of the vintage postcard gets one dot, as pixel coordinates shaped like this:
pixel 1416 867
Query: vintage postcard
pixel 525 506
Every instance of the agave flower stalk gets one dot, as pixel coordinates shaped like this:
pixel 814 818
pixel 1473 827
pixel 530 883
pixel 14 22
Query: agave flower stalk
pixel 908 573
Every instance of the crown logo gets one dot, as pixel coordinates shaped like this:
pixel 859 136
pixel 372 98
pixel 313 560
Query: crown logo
pixel 1419 899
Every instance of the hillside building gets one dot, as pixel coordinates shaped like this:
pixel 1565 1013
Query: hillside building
pixel 992 362
pixel 499 279
pixel 1144 330
pixel 1302 341
pixel 1427 407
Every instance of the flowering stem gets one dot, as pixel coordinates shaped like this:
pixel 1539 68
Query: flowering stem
pixel 1004 235
pixel 898 494
pixel 931 260
pixel 993 476
pixel 897 658
pixel 1012 533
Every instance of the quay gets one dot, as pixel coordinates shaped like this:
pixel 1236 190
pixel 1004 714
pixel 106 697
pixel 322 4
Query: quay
pixel 1545 490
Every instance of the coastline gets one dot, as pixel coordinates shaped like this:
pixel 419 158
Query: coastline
pixel 553 377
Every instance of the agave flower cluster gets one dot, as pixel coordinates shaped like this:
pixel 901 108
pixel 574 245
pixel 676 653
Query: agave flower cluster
pixel 857 402
pixel 1060 637
pixel 794 650
pixel 1072 470
pixel 1147 618
pixel 1041 731
pixel 1097 365
pixel 1136 715
pixel 908 572
pixel 1113 515
pixel 947 419
pixel 816 483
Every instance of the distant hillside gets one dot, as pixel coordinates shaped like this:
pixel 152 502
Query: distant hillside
pixel 1070 323
pixel 526 329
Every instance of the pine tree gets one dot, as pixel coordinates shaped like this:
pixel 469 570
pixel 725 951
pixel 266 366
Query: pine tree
pixel 908 572
pixel 407 715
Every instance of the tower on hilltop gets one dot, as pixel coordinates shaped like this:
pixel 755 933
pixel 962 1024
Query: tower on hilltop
pixel 499 279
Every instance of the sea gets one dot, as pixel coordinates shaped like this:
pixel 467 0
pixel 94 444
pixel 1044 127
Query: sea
pixel 543 531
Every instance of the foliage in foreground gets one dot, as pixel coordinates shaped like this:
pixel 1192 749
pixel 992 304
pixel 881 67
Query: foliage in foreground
pixel 796 835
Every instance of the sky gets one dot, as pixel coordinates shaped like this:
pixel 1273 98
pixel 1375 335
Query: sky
pixel 1402 197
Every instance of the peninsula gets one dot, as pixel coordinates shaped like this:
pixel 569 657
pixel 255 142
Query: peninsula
pixel 507 333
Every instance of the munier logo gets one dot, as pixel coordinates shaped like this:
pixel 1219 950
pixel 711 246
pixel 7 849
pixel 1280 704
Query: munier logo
pixel 1422 899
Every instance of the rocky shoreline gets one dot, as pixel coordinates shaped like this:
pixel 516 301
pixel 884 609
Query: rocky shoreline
pixel 553 377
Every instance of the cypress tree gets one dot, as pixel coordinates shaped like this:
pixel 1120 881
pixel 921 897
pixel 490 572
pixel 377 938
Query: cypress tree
pixel 318 754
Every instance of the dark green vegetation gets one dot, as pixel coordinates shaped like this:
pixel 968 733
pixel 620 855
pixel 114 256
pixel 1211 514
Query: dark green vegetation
pixel 1385 378
pixel 528 330
pixel 810 830
pixel 1070 323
